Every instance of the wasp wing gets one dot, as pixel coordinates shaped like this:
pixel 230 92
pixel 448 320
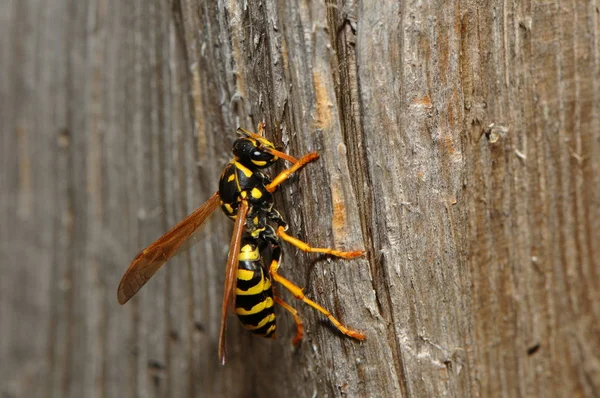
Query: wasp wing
pixel 230 273
pixel 149 260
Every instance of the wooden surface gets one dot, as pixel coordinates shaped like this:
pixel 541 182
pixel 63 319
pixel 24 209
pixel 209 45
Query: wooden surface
pixel 482 276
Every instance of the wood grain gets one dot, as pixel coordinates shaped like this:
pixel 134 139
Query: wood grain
pixel 459 143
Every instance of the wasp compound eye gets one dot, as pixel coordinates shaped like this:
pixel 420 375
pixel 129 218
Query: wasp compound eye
pixel 262 155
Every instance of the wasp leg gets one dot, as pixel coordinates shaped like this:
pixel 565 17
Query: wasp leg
pixel 299 294
pixel 299 324
pixel 285 174
pixel 306 248
pixel 276 217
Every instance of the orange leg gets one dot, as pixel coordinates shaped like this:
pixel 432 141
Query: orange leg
pixel 306 248
pixel 299 294
pixel 285 174
pixel 299 324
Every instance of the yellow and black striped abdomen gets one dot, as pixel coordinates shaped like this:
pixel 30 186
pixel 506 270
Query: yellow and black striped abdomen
pixel 254 295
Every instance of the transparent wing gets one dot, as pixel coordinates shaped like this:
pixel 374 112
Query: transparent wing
pixel 230 273
pixel 149 260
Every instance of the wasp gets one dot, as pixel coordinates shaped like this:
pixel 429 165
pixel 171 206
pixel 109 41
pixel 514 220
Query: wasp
pixel 245 195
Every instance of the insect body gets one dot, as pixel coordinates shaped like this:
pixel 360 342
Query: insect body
pixel 254 304
pixel 245 196
pixel 242 178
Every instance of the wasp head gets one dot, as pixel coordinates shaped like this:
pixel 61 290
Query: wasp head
pixel 254 152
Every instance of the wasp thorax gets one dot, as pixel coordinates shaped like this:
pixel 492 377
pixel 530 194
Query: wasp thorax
pixel 252 153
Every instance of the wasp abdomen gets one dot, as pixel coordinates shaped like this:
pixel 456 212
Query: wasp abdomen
pixel 254 295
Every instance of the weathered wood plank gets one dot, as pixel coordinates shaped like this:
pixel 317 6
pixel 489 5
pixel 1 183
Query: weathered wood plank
pixel 482 274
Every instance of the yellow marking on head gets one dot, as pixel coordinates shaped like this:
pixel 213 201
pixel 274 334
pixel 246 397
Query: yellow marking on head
pixel 256 194
pixel 248 253
pixel 255 220
pixel 244 194
pixel 245 275
pixel 257 232
pixel 231 178
pixel 256 309
pixel 259 162
pixel 247 172
pixel 228 207
pixel 254 290
pixel 263 322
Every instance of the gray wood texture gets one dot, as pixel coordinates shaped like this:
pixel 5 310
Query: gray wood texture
pixel 460 146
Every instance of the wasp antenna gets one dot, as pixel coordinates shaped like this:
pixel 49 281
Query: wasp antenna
pixel 260 129
pixel 250 134
pixel 282 155
pixel 243 131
